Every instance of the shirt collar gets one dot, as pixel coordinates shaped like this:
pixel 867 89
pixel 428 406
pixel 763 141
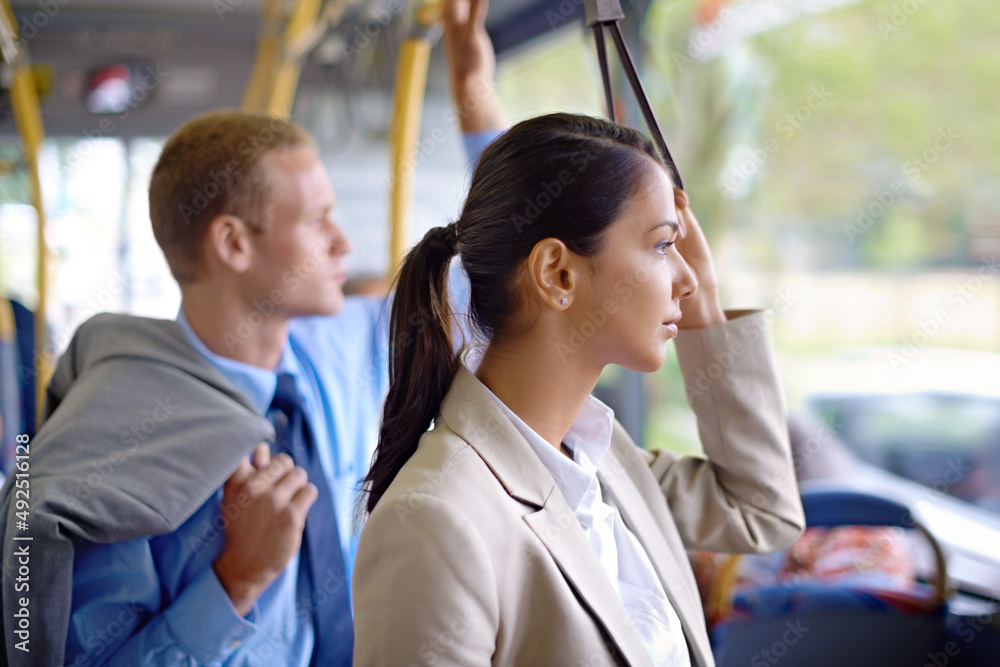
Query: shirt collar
pixel 257 383
pixel 588 439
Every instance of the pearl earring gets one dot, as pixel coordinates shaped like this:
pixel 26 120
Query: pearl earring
pixel 564 301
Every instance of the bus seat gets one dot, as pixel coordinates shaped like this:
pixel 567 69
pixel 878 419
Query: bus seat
pixel 844 594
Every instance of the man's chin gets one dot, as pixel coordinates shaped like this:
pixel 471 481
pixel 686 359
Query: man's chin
pixel 330 306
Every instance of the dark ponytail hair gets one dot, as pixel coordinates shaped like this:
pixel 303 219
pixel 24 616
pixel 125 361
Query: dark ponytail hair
pixel 561 175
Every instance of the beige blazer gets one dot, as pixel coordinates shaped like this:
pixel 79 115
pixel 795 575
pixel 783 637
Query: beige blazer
pixel 473 556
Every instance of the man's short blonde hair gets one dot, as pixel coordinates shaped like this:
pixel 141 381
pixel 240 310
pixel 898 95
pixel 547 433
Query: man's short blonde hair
pixel 214 165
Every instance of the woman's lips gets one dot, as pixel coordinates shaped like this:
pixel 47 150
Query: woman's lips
pixel 671 325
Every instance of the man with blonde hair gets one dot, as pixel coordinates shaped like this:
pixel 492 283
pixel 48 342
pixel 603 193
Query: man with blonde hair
pixel 163 531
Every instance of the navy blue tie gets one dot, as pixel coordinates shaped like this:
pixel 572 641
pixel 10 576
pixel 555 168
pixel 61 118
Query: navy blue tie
pixel 326 593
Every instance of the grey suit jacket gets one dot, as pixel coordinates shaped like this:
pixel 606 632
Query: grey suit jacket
pixel 140 430
pixel 473 556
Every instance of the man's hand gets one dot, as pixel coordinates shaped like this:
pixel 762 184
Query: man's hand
pixel 471 65
pixel 266 504
pixel 703 308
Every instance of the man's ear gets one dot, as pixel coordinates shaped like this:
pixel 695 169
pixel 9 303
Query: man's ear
pixel 228 241
pixel 552 273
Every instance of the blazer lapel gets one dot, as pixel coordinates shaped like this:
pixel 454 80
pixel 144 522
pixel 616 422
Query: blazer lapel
pixel 634 509
pixel 472 414
pixel 556 526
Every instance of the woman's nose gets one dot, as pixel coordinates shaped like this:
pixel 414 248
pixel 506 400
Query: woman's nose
pixel 686 283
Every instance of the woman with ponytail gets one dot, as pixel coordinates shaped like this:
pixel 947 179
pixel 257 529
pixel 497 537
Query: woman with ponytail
pixel 525 527
pixel 512 521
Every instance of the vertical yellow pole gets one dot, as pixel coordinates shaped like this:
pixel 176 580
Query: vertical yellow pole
pixel 404 132
pixel 268 51
pixel 408 97
pixel 301 23
pixel 28 118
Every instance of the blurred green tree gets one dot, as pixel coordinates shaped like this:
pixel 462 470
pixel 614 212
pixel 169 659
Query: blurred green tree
pixel 868 123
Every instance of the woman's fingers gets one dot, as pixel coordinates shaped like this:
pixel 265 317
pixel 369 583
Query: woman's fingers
pixel 683 211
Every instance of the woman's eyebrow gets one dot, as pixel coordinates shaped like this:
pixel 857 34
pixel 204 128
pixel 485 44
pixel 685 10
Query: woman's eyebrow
pixel 665 223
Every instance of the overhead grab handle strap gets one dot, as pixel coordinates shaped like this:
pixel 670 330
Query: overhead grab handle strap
pixel 601 14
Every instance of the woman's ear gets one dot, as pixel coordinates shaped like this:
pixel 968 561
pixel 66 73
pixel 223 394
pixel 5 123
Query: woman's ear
pixel 228 242
pixel 553 273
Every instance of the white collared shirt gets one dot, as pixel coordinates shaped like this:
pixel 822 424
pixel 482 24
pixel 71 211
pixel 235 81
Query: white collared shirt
pixel 619 551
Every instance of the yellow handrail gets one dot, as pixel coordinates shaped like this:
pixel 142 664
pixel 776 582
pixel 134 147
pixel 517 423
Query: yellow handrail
pixel 280 51
pixel 301 23
pixel 404 133
pixel 276 73
pixel 267 56
pixel 28 118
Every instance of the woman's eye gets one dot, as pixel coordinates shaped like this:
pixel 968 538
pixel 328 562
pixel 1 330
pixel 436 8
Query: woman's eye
pixel 662 246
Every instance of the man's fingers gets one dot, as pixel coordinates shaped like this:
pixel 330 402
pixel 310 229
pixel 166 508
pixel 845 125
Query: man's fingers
pixel 261 456
pixel 278 467
pixel 267 477
pixel 304 498
pixel 291 482
pixel 242 473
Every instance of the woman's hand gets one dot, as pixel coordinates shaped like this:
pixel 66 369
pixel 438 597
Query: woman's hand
pixel 703 308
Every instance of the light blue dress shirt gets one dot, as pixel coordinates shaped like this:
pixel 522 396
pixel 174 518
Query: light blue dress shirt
pixel 157 601
pixel 476 142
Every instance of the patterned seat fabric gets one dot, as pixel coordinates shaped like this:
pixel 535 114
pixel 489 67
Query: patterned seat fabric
pixel 845 569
